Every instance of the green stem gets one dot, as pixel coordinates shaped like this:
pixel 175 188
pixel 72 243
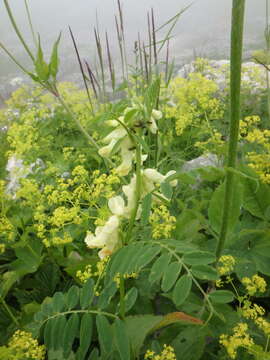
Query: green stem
pixel 137 194
pixel 30 23
pixel 9 311
pixel 97 312
pixel 82 129
pixel 238 11
pixel 267 40
pixel 122 297
pixel 13 59
pixel 15 27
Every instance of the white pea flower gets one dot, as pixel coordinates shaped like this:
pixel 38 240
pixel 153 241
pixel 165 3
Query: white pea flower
pixel 173 183
pixel 112 123
pixel 116 134
pixel 105 237
pixel 130 192
pixel 106 150
pixel 117 205
pixel 127 156
pixel 156 114
pixel 154 176
pixel 153 125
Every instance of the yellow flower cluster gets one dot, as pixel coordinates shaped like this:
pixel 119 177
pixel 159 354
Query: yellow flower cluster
pixel 22 344
pixel 251 311
pixel 7 230
pixel 116 279
pixel 88 272
pixel 166 354
pixel 254 285
pixel 66 199
pixel 83 276
pixel 253 134
pixel 194 100
pixel 162 222
pixel 2 248
pixel 240 338
pixel 225 265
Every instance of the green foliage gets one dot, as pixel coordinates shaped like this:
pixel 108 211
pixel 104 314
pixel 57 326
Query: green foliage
pixel 116 176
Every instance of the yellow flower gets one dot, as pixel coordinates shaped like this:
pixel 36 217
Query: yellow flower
pixel 254 285
pixel 240 338
pixel 23 345
pixel 225 265
pixel 162 222
pixel 105 237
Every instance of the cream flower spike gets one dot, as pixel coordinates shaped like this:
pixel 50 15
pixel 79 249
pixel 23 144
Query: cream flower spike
pixel 127 156
pixel 116 134
pixel 112 122
pixel 156 114
pixel 173 183
pixel 105 237
pixel 154 176
pixel 106 150
pixel 117 205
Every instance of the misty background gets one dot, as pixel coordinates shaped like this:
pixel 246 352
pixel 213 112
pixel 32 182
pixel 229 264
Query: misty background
pixel 203 29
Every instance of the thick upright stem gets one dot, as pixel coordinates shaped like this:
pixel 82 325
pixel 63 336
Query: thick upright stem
pixel 238 11
pixel 137 195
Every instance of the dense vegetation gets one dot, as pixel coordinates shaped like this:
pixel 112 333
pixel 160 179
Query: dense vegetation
pixel 136 228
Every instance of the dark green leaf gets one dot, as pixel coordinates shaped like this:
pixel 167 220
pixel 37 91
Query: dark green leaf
pixel 106 295
pixel 54 61
pixel 72 297
pixel 166 189
pixel 204 272
pixel 122 340
pixel 86 330
pixel 87 294
pixel 42 69
pixel 104 334
pixel 198 258
pixel 159 267
pixel 58 302
pixel 221 296
pixel 58 332
pixel 70 333
pixel 215 211
pixel 146 209
pixel 130 298
pixel 48 333
pixel 182 289
pixel 170 276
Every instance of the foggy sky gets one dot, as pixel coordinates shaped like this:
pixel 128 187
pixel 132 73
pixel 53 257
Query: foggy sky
pixel 206 24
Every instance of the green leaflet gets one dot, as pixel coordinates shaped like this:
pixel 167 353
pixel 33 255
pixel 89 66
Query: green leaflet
pixel 182 289
pixel 159 267
pixel 198 258
pixel 86 331
pixel 54 61
pixel 104 334
pixel 87 294
pixel 204 272
pixel 215 211
pixel 170 276
pixel 70 332
pixel 121 339
pixel 72 297
pixel 221 296
pixel 130 298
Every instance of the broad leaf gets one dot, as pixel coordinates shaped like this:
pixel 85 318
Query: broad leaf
pixel 182 289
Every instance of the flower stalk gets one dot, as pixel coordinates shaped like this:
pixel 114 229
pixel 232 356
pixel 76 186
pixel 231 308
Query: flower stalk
pixel 138 192
pixel 238 11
